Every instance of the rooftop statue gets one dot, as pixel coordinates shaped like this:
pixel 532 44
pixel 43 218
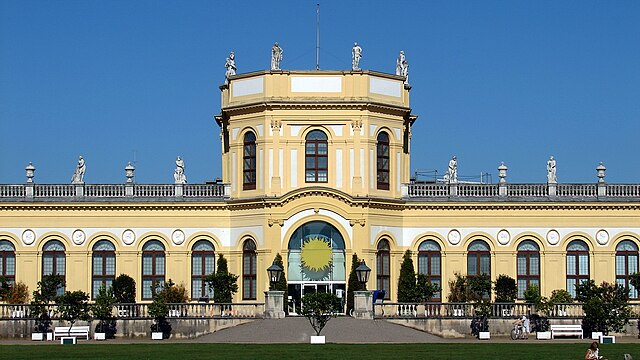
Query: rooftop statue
pixel 402 67
pixel 356 55
pixel 452 172
pixel 276 56
pixel 551 171
pixel 230 64
pixel 78 174
pixel 179 176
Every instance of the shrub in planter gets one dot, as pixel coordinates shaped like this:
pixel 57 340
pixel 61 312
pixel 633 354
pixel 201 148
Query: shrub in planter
pixel 407 291
pixel 506 289
pixel 425 290
pixel 223 283
pixel 73 306
pixel 43 298
pixel 18 294
pixel 458 289
pixel 319 308
pixel 124 289
pixel 538 320
pixel 159 309
pixel 606 307
pixel 282 285
pixel 102 310
pixel 353 284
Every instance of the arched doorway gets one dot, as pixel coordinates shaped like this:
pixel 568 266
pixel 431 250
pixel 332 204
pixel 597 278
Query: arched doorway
pixel 316 262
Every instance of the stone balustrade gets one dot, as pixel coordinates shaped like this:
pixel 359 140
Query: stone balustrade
pixel 520 192
pixel 95 192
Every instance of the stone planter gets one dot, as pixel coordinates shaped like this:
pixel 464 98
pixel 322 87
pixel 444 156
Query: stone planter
pixel 317 339
pixel 484 335
pixel 37 336
pixel 99 336
pixel 543 335
pixel 595 335
pixel 156 335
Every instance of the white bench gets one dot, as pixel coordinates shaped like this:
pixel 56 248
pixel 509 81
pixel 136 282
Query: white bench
pixel 76 331
pixel 566 330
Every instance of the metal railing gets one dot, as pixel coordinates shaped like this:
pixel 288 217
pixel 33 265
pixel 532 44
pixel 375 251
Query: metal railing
pixel 467 310
pixel 141 311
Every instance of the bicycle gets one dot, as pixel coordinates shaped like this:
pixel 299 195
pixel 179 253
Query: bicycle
pixel 517 332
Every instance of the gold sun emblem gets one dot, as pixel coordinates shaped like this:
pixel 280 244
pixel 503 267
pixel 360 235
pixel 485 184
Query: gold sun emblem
pixel 316 254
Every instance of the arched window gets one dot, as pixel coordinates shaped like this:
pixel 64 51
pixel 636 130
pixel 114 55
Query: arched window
pixel 478 259
pixel 383 268
pixel 104 266
pixel 627 264
pixel 203 262
pixel 429 264
pixel 316 161
pixel 249 277
pixel 249 162
pixel 54 261
pixel 315 261
pixel 383 161
pixel 577 265
pixel 528 266
pixel 8 261
pixel 152 268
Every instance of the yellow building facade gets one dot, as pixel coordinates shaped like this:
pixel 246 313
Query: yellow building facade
pixel 316 167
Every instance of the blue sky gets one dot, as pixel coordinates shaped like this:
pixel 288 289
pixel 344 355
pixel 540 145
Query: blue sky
pixel 512 81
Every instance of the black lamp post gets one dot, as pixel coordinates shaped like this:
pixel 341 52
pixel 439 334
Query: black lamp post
pixel 362 272
pixel 275 271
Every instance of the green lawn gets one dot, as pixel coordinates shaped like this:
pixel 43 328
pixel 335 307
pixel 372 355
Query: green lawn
pixel 195 351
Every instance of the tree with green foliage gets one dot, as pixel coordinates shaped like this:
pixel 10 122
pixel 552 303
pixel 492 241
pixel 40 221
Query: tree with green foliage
pixel 17 293
pixel 102 310
pixel 560 296
pixel 458 289
pixel 319 308
pixel 539 320
pixel 223 283
pixel 606 307
pixel 165 294
pixel 407 291
pixel 425 290
pixel 43 298
pixel 505 289
pixel 353 284
pixel 124 289
pixel 478 288
pixel 73 306
pixel 281 285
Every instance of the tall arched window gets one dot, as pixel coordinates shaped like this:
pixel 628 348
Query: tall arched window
pixel 249 162
pixel 54 261
pixel 203 263
pixel 478 259
pixel 383 268
pixel 528 266
pixel 627 264
pixel 429 264
pixel 577 265
pixel 383 161
pixel 8 261
pixel 104 266
pixel 249 277
pixel 152 268
pixel 316 161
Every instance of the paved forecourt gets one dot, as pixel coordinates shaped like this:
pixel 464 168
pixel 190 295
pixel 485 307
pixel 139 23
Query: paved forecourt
pixel 338 330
